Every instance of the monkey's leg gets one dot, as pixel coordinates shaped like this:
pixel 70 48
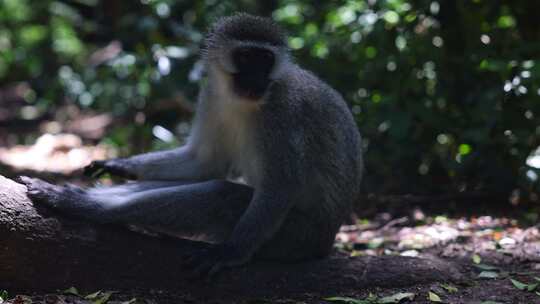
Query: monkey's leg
pixel 132 187
pixel 211 208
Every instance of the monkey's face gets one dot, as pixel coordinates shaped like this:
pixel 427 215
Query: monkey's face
pixel 252 69
pixel 248 51
pixel 247 67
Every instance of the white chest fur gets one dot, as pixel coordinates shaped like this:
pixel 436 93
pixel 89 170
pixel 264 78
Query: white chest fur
pixel 235 130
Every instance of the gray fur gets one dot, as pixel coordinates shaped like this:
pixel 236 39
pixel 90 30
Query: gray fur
pixel 297 149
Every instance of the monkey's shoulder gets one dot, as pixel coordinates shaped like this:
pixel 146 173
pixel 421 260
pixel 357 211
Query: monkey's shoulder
pixel 300 89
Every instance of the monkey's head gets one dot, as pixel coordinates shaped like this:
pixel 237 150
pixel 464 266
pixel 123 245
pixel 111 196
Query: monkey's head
pixel 250 50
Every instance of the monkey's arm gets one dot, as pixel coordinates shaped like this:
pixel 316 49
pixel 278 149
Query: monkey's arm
pixel 259 223
pixel 183 163
pixel 279 188
pixel 262 219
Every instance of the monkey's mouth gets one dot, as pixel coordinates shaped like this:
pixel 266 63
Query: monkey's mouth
pixel 250 85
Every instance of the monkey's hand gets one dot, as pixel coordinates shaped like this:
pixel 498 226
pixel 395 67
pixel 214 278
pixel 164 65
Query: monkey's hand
pixel 208 261
pixel 113 166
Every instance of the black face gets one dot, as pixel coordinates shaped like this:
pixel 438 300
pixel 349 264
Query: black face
pixel 253 66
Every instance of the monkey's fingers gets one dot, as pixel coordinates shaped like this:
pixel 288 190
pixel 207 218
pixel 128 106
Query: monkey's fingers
pixel 95 169
pixel 99 167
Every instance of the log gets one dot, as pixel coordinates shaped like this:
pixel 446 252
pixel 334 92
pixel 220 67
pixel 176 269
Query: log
pixel 41 251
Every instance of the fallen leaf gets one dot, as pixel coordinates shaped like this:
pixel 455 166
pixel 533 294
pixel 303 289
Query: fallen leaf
pixel 71 291
pixel 518 284
pixel 93 296
pixel 488 275
pixel 532 287
pixel 497 235
pixel 396 298
pixel 348 300
pixel 433 297
pixel 449 288
pixel 104 298
pixel 485 267
pixel 476 259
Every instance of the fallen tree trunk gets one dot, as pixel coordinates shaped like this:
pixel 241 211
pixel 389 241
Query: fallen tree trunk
pixel 42 251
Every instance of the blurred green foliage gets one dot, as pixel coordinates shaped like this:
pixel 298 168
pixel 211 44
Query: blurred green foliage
pixel 446 93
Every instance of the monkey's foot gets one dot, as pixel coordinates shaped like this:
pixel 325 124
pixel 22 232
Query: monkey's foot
pixel 54 196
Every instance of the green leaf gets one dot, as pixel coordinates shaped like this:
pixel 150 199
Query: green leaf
pixel 449 288
pixel 391 17
pixel 104 298
pixel 490 302
pixel 396 298
pixel 465 149
pixel 93 296
pixel 519 285
pixel 485 267
pixel 71 291
pixel 493 65
pixel 132 301
pixel 32 34
pixel 506 21
pixel 3 295
pixel 347 300
pixel 537 278
pixel 488 275
pixel 532 287
pixel 476 259
pixel 523 286
pixel 433 297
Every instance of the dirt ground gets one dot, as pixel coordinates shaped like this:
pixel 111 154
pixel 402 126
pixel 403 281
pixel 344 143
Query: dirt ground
pixel 501 255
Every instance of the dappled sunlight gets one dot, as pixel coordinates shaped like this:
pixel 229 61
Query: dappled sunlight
pixel 445 95
pixel 60 153
pixel 502 239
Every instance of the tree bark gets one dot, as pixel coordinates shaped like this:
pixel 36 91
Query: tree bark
pixel 42 251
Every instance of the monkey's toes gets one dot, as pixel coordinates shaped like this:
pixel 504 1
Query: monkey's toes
pixel 41 191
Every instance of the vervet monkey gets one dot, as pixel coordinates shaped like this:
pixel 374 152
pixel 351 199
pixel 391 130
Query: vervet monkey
pixel 288 135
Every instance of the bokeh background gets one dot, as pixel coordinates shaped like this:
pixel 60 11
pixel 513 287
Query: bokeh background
pixel 446 93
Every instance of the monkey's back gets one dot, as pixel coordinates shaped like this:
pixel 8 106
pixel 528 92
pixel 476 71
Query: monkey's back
pixel 330 143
